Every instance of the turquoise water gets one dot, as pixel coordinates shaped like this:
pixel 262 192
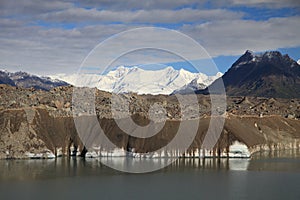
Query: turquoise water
pixel 266 176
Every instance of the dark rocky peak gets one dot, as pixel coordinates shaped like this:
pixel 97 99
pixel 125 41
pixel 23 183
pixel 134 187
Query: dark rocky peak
pixel 247 57
pixel 277 57
pixel 267 58
pixel 268 74
pixel 272 55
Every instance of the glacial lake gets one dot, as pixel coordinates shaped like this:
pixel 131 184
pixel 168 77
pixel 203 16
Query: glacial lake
pixel 266 175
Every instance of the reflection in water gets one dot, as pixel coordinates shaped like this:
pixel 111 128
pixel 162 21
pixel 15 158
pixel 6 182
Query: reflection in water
pixel 287 160
pixel 74 166
pixel 46 168
pixel 290 153
pixel 239 164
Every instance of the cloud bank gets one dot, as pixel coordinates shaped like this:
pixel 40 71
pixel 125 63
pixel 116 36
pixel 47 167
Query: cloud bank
pixel 46 37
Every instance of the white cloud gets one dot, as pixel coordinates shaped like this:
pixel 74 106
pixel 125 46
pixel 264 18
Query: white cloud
pixel 45 49
pixel 171 4
pixel 139 16
pixel 137 4
pixel 235 36
pixel 267 3
pixel 31 7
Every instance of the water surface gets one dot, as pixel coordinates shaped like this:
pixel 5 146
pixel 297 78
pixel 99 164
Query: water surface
pixel 267 175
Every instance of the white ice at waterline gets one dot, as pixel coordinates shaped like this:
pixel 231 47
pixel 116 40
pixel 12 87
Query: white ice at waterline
pixel 238 150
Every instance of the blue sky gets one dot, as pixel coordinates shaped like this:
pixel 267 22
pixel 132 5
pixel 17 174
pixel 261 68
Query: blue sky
pixel 49 37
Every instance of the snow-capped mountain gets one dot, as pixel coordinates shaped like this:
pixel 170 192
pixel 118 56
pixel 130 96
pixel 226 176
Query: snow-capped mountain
pixel 134 79
pixel 197 84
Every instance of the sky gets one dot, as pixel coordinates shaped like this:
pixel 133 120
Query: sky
pixel 48 37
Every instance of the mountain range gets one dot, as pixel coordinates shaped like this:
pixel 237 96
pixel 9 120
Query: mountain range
pixel 25 80
pixel 268 74
pixel 134 79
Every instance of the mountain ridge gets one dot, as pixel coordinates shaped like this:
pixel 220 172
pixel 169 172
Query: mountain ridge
pixel 26 80
pixel 268 74
pixel 141 81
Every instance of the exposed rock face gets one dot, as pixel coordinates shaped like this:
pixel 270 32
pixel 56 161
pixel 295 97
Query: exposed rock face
pixel 37 121
pixel 33 130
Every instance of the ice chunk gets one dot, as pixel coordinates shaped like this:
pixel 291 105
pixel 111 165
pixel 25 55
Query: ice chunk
pixel 238 150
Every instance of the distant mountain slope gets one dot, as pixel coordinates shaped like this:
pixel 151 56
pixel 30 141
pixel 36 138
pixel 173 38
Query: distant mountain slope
pixel 25 80
pixel 189 88
pixel 5 79
pixel 270 74
pixel 134 79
